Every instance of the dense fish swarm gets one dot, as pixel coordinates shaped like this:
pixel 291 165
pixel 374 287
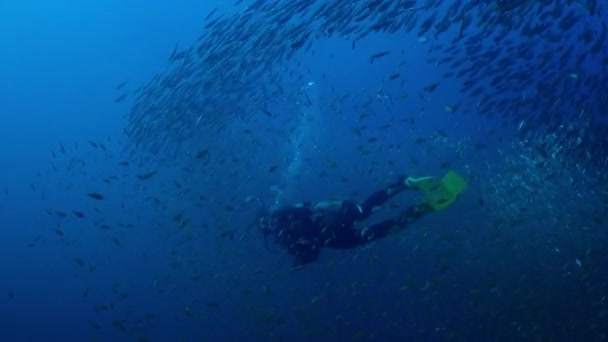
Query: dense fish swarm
pixel 541 65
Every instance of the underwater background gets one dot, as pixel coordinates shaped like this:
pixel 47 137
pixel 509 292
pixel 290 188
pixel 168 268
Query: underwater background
pixel 140 140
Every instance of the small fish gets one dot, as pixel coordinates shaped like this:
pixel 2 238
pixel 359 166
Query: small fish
pixel 450 109
pixel 315 299
pixel 377 55
pixel 213 304
pixel 202 153
pixel 78 214
pixel 79 261
pixel 104 307
pixel 121 98
pixel 265 111
pixel 174 53
pixel 522 124
pixel 441 133
pixel 331 165
pixel 124 163
pixel 229 234
pixel 95 195
pixel 58 231
pixel 431 87
pixel 147 175
pixel 273 168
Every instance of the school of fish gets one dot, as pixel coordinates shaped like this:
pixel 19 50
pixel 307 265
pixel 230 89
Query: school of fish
pixel 540 65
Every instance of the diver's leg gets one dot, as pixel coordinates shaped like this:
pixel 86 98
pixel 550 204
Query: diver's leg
pixel 379 230
pixel 380 197
pixel 351 238
pixel 382 229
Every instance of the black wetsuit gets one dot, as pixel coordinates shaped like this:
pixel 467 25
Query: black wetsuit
pixel 306 227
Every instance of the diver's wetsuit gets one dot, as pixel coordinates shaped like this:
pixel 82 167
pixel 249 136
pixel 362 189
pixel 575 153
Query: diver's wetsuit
pixel 306 227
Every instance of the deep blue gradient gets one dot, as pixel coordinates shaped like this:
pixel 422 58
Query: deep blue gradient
pixel 177 257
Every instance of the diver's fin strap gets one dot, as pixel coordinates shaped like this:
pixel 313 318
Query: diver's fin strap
pixel 420 183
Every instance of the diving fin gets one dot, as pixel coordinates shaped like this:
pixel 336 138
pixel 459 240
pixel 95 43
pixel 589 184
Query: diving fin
pixel 439 194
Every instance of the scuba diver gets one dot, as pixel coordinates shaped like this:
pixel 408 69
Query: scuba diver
pixel 305 228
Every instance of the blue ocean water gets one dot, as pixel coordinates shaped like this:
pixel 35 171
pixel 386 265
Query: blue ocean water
pixel 172 252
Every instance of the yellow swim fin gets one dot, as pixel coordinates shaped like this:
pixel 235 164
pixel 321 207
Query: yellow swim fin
pixel 439 194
